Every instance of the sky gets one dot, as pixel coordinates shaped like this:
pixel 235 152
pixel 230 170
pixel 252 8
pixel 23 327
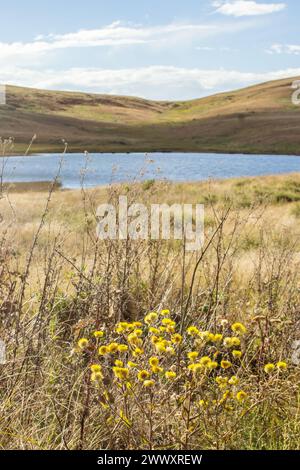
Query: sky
pixel 157 49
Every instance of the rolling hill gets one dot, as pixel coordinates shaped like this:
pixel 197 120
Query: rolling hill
pixel 258 119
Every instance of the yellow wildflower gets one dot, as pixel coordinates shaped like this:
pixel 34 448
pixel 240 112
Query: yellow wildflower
pixel 137 324
pixel 119 363
pixel 236 354
pixel 96 368
pixel 170 375
pixel 150 318
pixel 233 380
pixel 122 348
pixel 241 396
pixel 168 322
pixel 225 364
pixel 138 332
pixel 165 312
pixel 193 331
pixel 212 365
pixel 154 331
pixel 217 338
pixel 193 355
pixel 83 343
pixel 205 361
pixel 96 376
pixel 228 342
pixel 239 328
pixel 131 364
pixel 269 368
pixel 113 348
pixel 235 341
pixel 143 375
pixel 282 366
pixel 138 352
pixel 153 361
pixel 98 334
pixel 148 383
pixel 160 347
pixel 103 350
pixel 156 369
pixel 121 373
pixel 176 339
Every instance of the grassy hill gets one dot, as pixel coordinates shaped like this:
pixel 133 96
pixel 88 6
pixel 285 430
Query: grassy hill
pixel 258 119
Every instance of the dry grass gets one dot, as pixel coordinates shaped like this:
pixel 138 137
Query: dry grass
pixel 59 284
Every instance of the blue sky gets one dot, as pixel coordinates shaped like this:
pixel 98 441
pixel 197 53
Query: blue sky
pixel 159 49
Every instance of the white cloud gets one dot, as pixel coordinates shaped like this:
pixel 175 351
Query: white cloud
pixel 246 7
pixel 114 34
pixel 156 82
pixel 284 49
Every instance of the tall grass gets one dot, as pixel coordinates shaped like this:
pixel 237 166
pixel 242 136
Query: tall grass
pixel 72 305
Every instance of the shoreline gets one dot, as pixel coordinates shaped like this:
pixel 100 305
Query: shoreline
pixel 145 152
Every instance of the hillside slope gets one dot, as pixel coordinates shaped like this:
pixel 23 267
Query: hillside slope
pixel 258 119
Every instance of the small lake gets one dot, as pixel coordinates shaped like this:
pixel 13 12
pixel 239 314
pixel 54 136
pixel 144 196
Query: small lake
pixel 101 169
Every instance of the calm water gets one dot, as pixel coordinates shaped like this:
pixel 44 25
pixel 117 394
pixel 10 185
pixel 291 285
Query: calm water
pixel 103 168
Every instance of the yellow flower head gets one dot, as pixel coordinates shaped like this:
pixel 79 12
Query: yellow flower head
pixel 113 348
pixel 131 364
pixel 156 369
pixel 138 352
pixel 225 364
pixel 193 331
pixel 148 383
pixel 236 354
pixel 137 324
pixel 96 368
pixel 170 375
pixel 269 368
pixel 154 361
pixel 165 313
pixel 217 338
pixel 119 363
pixel 196 367
pixel 282 366
pixel 121 373
pixel 176 339
pixel 138 332
pixel 233 380
pixel 228 342
pixel 83 343
pixel 151 318
pixel 212 365
pixel 143 375
pixel 235 341
pixel 168 322
pixel 222 382
pixel 193 355
pixel 160 347
pixel 122 348
pixel 238 328
pixel 121 327
pixel 241 396
pixel 98 334
pixel 96 376
pixel 154 331
pixel 205 361
pixel 103 350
